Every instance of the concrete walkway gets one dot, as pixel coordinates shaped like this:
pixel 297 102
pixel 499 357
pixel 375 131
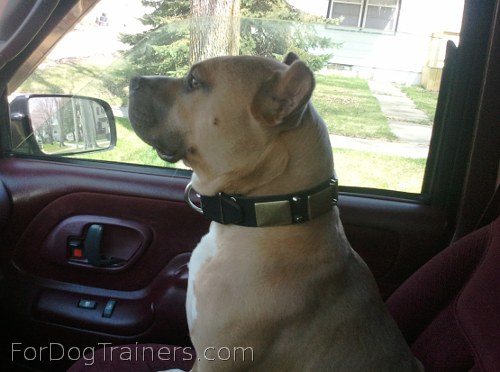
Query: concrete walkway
pixel 407 150
pixel 410 125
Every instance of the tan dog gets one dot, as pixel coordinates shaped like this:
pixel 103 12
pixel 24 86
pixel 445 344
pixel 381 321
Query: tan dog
pixel 274 285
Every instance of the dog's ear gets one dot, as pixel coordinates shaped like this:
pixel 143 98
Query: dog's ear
pixel 289 58
pixel 284 97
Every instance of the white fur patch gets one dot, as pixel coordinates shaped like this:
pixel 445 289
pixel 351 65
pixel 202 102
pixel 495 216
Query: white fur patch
pixel 205 250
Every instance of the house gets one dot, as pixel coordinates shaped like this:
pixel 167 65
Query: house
pixel 402 41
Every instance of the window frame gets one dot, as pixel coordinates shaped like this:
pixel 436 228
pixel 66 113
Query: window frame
pixel 363 13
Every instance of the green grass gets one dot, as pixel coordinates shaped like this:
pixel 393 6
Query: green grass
pixel 425 100
pixel 368 169
pixel 349 108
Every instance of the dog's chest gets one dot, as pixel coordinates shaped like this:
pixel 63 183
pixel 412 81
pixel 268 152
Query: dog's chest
pixel 202 254
pixel 222 273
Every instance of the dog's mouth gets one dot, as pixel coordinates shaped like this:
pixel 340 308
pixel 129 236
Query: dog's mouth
pixel 171 157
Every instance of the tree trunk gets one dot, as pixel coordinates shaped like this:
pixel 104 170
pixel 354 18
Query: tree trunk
pixel 215 28
pixel 60 121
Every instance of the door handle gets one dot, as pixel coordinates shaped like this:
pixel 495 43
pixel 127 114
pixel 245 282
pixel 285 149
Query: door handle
pixel 92 249
pixel 98 243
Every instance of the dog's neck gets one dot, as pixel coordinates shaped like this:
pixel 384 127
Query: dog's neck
pixel 282 168
pixel 293 182
pixel 305 168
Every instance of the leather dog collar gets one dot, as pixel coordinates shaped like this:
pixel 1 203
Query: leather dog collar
pixel 268 210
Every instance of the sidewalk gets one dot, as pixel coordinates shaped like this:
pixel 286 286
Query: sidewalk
pixel 409 124
pixel 407 150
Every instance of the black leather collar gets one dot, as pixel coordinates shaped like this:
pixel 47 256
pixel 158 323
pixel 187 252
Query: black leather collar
pixel 268 210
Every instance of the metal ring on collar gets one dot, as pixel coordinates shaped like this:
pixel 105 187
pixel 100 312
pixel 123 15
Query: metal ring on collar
pixel 187 192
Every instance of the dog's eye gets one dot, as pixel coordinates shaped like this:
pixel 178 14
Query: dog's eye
pixel 192 82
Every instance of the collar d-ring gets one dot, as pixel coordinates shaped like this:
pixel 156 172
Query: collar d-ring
pixel 187 198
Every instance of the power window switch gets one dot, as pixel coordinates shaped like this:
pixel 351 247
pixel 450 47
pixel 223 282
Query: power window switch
pixel 109 308
pixel 87 304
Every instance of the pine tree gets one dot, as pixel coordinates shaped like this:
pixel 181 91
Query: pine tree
pixel 268 28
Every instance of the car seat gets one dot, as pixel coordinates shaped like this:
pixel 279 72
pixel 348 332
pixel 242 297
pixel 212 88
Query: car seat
pixel 449 310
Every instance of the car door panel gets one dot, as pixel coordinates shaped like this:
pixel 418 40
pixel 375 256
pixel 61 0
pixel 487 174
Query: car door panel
pixel 44 313
pixel 394 237
pixel 170 235
pixel 43 287
pixel 59 200
pixel 153 312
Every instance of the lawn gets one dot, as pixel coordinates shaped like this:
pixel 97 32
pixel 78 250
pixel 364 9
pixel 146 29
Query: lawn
pixel 363 168
pixel 349 108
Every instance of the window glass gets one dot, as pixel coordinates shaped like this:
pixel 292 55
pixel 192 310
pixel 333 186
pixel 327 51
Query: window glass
pixel 370 14
pixel 347 14
pixel 380 17
pixel 377 92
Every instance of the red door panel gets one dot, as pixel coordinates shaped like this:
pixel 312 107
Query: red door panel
pixel 394 237
pixel 150 227
pixel 168 233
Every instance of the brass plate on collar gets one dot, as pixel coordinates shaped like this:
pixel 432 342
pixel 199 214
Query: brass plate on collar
pixel 273 213
pixel 320 202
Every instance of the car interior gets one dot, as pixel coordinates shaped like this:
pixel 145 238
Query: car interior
pixel 94 254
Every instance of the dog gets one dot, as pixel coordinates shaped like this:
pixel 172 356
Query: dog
pixel 275 277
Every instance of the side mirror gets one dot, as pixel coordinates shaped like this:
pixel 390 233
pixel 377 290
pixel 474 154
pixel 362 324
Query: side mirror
pixel 53 124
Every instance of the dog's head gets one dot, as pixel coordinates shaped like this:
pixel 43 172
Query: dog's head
pixel 224 117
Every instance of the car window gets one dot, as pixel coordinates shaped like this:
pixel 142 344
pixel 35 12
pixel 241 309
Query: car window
pixel 377 66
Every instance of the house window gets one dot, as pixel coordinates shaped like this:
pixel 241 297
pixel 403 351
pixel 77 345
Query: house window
pixel 374 14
